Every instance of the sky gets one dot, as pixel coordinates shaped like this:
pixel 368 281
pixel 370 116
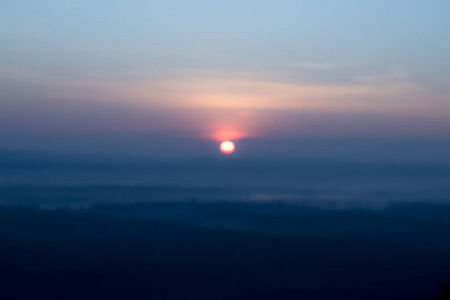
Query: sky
pixel 174 78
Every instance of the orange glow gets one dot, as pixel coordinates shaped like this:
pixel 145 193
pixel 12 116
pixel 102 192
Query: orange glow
pixel 227 147
pixel 229 135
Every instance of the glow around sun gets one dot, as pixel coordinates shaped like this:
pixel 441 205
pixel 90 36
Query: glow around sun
pixel 227 147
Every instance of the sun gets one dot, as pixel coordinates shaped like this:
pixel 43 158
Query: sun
pixel 227 147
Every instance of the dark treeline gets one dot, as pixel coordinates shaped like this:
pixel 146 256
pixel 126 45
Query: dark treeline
pixel 68 255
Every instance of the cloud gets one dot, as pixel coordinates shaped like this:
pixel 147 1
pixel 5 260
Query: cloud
pixel 315 66
pixel 389 77
pixel 206 102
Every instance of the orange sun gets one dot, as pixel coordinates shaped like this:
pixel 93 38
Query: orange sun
pixel 227 147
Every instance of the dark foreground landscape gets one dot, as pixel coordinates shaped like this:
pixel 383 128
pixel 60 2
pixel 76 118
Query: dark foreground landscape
pixel 222 230
pixel 224 251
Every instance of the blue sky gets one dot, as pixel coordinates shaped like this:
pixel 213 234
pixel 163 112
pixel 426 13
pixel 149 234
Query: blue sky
pixel 219 70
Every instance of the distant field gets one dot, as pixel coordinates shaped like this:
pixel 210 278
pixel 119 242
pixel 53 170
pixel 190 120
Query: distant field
pixel 209 179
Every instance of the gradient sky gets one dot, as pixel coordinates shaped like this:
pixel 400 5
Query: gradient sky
pixel 155 77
